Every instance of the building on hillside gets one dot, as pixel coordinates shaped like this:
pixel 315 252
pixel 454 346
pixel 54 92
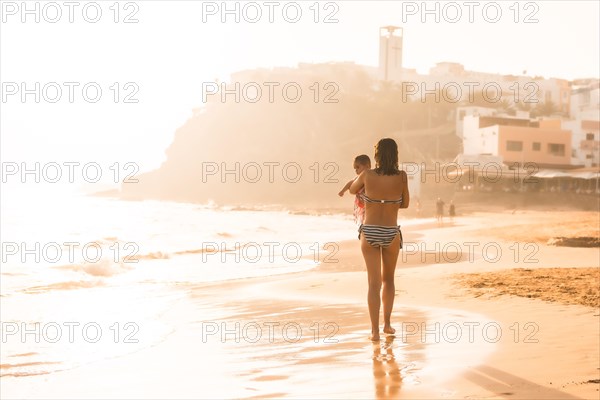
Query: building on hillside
pixel 459 85
pixel 585 100
pixel 462 112
pixel 518 140
pixel 585 142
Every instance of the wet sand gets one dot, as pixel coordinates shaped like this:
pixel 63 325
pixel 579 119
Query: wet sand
pixel 305 335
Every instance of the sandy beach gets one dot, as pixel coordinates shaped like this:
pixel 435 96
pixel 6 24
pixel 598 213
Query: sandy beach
pixel 186 187
pixel 305 334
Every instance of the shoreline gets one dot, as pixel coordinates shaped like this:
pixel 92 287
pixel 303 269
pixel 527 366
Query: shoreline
pixel 467 204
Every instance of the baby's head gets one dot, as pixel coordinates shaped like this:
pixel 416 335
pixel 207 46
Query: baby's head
pixel 362 163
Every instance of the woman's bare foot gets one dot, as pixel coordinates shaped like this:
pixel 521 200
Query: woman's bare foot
pixel 389 330
pixel 374 337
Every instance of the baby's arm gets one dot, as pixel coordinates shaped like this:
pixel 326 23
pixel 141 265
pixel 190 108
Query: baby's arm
pixel 347 187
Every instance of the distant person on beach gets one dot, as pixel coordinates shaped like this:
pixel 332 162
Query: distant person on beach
pixel 439 210
pixel 385 192
pixel 361 163
pixel 451 210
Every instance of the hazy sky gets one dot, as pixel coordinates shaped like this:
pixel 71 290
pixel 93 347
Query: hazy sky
pixel 170 51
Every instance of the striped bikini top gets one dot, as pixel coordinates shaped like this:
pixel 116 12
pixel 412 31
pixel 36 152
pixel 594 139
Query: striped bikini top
pixel 367 199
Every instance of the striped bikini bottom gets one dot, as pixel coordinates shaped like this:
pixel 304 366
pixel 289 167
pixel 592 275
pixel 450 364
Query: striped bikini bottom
pixel 380 236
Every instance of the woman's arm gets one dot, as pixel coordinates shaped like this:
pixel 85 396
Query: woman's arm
pixel 358 184
pixel 405 194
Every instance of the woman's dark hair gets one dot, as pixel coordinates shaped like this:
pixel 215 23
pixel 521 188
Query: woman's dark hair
pixel 363 159
pixel 386 157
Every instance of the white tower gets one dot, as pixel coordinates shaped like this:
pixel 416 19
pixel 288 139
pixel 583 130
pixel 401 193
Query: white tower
pixel 390 53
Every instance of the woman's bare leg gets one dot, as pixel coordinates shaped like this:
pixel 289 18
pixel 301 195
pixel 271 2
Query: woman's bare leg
pixel 372 256
pixel 389 256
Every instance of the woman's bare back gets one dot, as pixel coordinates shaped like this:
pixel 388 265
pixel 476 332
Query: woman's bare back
pixel 385 187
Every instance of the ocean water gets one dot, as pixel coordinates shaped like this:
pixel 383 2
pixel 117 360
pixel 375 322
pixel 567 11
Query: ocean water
pixel 81 274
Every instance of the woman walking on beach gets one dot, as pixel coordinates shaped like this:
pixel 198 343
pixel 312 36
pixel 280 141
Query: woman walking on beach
pixel 386 191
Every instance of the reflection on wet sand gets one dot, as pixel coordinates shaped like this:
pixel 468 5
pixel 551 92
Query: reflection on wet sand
pixel 386 371
pixel 391 370
pixel 328 353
